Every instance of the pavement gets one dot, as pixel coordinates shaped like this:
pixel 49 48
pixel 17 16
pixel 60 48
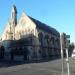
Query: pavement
pixel 37 68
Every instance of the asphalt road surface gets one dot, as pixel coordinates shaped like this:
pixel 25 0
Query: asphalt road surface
pixel 42 68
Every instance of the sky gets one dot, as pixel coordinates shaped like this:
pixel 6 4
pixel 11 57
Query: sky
pixel 59 14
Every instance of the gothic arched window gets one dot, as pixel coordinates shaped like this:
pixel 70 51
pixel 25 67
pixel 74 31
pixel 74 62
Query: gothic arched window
pixel 47 39
pixel 40 35
pixel 57 43
pixel 52 41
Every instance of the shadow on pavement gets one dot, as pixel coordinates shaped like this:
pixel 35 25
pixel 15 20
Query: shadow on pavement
pixel 9 63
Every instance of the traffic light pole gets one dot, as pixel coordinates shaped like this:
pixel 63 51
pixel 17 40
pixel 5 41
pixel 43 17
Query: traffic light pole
pixel 62 58
pixel 65 41
pixel 67 60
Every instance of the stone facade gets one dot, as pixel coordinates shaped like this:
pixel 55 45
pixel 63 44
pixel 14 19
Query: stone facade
pixel 44 40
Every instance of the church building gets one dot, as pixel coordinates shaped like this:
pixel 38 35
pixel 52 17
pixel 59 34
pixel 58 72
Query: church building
pixel 41 41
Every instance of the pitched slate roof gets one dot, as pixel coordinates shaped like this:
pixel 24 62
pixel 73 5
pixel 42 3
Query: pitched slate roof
pixel 45 27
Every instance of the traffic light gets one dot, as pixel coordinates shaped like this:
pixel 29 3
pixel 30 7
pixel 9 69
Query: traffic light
pixel 65 40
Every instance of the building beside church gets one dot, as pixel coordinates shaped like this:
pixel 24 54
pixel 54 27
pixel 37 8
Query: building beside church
pixel 41 40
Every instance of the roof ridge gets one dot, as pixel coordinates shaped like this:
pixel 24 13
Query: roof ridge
pixel 45 27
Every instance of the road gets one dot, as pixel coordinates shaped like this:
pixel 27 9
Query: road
pixel 42 68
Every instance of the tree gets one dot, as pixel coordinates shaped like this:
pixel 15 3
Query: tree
pixel 71 48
